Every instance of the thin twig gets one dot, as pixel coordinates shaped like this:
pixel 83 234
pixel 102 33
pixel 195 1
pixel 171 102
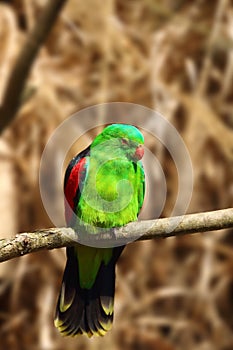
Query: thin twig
pixel 27 55
pixel 29 242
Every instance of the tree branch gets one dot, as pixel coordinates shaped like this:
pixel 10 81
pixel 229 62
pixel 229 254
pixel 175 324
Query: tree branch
pixel 25 243
pixel 27 55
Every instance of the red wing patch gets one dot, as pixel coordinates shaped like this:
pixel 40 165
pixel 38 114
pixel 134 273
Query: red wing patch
pixel 76 177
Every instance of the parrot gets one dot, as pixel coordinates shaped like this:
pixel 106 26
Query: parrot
pixel 104 187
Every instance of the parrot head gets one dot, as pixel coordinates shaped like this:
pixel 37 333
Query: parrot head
pixel 121 140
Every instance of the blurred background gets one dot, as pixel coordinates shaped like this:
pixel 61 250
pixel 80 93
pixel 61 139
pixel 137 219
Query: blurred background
pixel 175 57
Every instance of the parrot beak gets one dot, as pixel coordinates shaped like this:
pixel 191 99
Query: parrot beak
pixel 139 152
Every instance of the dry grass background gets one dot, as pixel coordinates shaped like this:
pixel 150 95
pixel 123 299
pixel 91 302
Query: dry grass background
pixel 175 57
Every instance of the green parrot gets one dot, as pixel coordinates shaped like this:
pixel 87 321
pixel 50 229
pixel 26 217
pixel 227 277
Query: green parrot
pixel 104 187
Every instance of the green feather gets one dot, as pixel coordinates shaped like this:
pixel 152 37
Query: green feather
pixel 89 259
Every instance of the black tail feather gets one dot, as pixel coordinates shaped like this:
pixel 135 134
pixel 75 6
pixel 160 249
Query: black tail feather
pixel 87 311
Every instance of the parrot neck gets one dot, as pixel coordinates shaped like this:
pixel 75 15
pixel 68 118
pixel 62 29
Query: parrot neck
pixel 107 151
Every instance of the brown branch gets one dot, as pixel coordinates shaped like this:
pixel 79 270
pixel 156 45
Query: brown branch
pixel 25 243
pixel 23 64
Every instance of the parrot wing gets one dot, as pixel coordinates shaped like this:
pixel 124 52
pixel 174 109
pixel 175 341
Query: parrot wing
pixel 74 179
pixel 141 186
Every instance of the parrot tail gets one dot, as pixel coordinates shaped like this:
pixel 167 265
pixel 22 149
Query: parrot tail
pixel 86 311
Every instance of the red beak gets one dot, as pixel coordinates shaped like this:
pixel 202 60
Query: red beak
pixel 139 152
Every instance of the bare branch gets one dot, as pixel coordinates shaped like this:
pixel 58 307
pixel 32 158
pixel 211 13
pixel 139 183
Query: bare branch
pixel 25 243
pixel 21 69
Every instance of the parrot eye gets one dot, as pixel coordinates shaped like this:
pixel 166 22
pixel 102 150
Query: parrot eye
pixel 124 141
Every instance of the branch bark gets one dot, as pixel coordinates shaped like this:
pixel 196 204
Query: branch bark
pixel 27 55
pixel 29 242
